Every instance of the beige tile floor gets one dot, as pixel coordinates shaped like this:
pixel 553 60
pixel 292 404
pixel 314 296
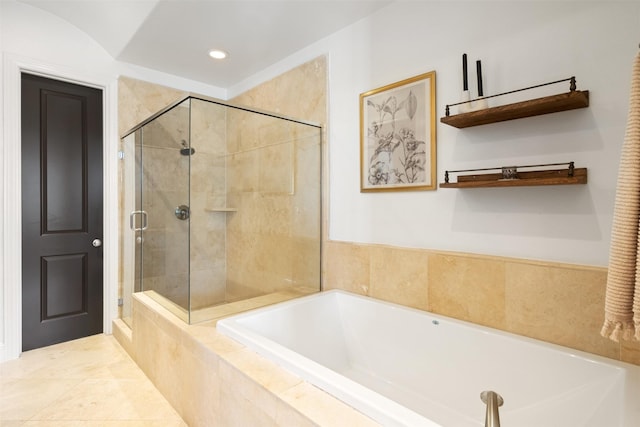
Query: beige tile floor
pixel 88 382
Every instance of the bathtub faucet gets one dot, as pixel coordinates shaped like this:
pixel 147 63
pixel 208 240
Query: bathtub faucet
pixel 493 400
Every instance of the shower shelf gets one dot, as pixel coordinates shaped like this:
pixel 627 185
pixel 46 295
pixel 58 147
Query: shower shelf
pixel 221 210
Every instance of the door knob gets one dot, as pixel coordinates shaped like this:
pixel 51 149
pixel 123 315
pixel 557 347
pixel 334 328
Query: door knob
pixel 96 243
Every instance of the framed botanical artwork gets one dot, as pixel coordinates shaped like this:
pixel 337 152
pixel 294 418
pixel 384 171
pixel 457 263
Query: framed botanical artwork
pixel 398 136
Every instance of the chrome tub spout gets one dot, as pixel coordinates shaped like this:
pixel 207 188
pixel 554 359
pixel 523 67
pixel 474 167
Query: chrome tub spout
pixel 493 401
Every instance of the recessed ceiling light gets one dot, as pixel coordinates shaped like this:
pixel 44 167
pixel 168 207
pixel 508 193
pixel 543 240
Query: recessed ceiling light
pixel 217 54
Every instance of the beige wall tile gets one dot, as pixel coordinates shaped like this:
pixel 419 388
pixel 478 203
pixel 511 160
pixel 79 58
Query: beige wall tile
pixel 273 214
pixel 275 174
pixel 242 172
pixel 247 218
pixel 195 389
pixel 306 215
pixel 123 335
pixel 138 100
pixel 305 254
pixel 246 403
pixel 300 92
pixel 467 288
pixel 347 267
pixel 240 411
pixel 287 416
pixel 208 127
pixel 181 370
pixel 630 352
pixel 208 174
pixel 399 275
pixel 559 305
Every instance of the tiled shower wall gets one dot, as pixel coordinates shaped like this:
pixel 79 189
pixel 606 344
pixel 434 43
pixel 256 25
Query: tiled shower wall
pixel 273 176
pixel 558 303
pixel 290 243
pixel 253 198
pixel 272 171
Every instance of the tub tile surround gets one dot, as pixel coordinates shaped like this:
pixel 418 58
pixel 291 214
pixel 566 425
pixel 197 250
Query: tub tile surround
pixel 470 288
pixel 553 302
pixel 211 379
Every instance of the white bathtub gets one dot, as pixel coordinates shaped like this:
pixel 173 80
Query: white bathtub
pixel 405 367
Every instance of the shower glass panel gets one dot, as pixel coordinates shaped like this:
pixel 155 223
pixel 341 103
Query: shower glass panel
pixel 222 207
pixel 163 184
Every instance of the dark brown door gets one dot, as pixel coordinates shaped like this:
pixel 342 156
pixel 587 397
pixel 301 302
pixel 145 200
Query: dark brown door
pixel 61 211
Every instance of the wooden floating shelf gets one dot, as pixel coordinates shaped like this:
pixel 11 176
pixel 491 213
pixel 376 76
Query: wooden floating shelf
pixel 525 179
pixel 534 107
pixel 221 210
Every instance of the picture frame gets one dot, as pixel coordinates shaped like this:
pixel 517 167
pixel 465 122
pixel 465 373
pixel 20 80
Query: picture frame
pixel 398 136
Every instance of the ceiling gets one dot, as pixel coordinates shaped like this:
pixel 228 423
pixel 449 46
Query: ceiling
pixel 174 36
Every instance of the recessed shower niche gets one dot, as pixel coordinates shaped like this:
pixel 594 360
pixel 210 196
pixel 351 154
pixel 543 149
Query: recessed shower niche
pixel 220 207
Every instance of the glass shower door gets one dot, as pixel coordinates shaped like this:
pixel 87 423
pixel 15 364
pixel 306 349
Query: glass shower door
pixel 161 218
pixel 127 176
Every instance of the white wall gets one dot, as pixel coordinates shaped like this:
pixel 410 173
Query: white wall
pixel 34 40
pixel 520 44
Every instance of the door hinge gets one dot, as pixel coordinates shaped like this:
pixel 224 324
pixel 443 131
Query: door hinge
pixel 121 154
pixel 120 302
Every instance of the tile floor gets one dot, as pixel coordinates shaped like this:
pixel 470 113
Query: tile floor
pixel 90 382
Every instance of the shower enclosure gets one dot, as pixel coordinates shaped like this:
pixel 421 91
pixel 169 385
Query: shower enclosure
pixel 219 205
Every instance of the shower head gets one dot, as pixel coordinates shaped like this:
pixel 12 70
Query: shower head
pixel 186 150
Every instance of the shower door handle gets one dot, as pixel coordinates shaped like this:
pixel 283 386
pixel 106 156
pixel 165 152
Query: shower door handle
pixel 143 215
pixel 182 212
